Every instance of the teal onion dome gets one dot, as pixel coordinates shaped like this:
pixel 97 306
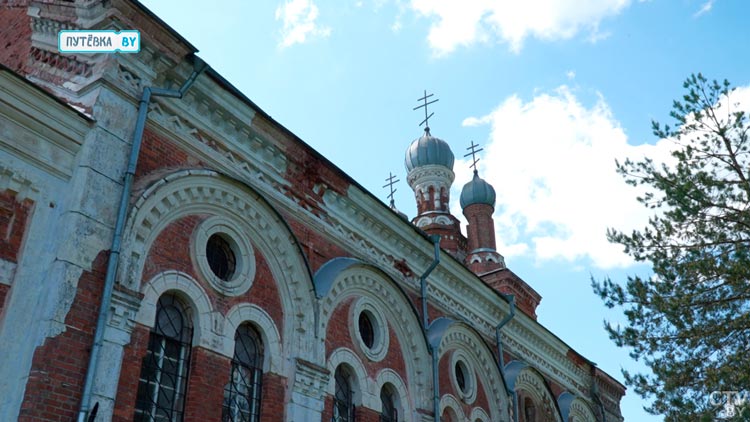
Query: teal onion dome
pixel 428 150
pixel 477 191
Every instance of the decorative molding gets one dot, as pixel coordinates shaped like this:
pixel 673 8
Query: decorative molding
pixel 7 271
pixel 389 376
pixel 206 322
pixel 469 347
pixel 236 235
pixel 124 311
pixel 381 338
pixel 449 401
pixel 580 411
pixel 273 359
pixel 206 192
pixel 311 380
pixel 362 281
pixel 363 388
pixel 535 387
pixel 469 393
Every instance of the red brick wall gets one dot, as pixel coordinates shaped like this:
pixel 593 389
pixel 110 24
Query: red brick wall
pixel 53 391
pixel 209 373
pixel 15 36
pixel 273 406
pixel 158 155
pixel 171 251
pixel 13 216
pixel 481 227
pixel 129 374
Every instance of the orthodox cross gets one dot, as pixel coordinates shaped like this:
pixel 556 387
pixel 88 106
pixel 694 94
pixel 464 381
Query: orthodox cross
pixel 473 152
pixel 389 184
pixel 424 105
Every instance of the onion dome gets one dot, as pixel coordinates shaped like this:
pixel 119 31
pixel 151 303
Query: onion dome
pixel 477 191
pixel 428 150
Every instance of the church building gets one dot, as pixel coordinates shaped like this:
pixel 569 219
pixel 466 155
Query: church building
pixel 170 252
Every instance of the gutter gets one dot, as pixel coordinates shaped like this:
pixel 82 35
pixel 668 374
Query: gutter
pixel 114 257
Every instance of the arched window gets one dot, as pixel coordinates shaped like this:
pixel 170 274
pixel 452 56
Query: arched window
pixel 343 403
pixel 529 411
pixel 161 388
pixel 242 394
pixel 388 412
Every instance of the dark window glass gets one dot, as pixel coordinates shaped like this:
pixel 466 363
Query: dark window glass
pixel 343 406
pixel 242 394
pixel 366 330
pixel 460 376
pixel 220 257
pixel 529 411
pixel 389 412
pixel 164 370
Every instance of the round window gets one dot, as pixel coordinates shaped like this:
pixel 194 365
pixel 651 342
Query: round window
pixel 369 329
pixel 460 376
pixel 366 330
pixel 221 257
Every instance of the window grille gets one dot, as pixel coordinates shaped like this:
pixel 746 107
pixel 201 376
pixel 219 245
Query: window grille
pixel 243 393
pixel 388 412
pixel 164 370
pixel 343 406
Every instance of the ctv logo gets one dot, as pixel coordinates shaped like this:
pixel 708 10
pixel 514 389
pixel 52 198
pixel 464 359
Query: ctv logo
pixel 91 41
pixel 733 403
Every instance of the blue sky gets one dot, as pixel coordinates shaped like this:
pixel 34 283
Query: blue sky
pixel 554 90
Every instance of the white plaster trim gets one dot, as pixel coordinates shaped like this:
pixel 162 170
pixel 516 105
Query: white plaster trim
pixel 449 401
pixel 580 411
pixel 7 271
pixel 380 329
pixel 471 348
pixel 190 192
pixel 470 377
pixel 478 414
pixel 535 387
pixel 364 281
pixel 363 388
pixel 272 349
pixel 201 311
pixel 234 233
pixel 389 376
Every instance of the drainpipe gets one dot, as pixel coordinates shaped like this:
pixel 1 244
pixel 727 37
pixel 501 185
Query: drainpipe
pixel 114 257
pixel 512 302
pixel 425 320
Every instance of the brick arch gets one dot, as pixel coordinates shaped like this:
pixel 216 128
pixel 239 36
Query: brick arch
pixel 575 408
pixel 449 401
pixel 187 289
pixel 527 381
pixel 389 376
pixel 478 414
pixel 341 279
pixel 274 361
pixel 362 385
pixel 207 192
pixel 465 340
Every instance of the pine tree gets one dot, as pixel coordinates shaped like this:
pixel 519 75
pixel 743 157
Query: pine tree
pixel 689 320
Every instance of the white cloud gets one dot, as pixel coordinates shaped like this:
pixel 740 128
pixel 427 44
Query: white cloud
pixel 465 23
pixel 552 163
pixel 705 8
pixel 299 18
pixel 571 74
